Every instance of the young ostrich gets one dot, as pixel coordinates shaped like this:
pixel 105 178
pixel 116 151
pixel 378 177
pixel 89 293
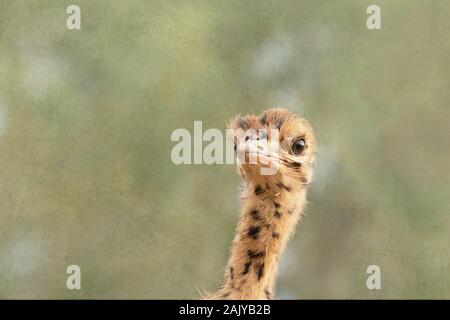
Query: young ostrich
pixel 271 204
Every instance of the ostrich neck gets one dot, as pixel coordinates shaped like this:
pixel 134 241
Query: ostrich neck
pixel 268 217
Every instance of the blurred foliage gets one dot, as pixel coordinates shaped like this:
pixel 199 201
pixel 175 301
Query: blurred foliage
pixel 85 123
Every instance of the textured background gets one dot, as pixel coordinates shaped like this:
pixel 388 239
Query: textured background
pixel 85 123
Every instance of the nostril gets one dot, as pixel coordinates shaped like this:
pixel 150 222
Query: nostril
pixel 251 137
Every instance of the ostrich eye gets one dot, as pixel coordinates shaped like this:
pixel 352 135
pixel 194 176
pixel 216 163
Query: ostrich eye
pixel 298 146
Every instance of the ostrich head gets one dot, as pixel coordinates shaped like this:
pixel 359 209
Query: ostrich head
pixel 276 148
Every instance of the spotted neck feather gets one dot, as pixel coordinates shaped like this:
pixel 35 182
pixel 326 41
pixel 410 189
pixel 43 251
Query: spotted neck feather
pixel 270 211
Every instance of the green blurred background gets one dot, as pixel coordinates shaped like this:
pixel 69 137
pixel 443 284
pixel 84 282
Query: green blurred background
pixel 86 117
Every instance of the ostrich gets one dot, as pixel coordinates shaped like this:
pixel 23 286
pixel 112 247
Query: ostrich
pixel 271 205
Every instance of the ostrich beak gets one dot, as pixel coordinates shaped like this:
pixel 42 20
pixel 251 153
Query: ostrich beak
pixel 256 153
